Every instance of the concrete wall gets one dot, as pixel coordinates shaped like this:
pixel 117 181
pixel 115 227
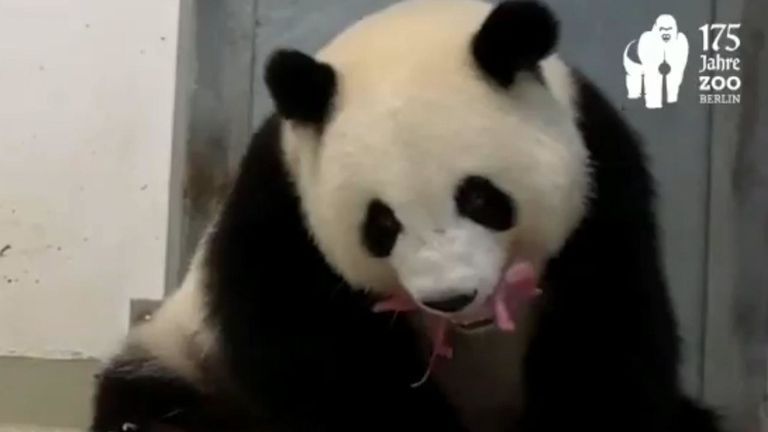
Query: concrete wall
pixel 86 109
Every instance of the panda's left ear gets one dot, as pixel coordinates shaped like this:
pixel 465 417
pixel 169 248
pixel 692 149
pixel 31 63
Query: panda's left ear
pixel 515 37
pixel 301 87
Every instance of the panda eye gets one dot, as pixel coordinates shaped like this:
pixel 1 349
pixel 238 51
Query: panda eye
pixel 479 200
pixel 380 229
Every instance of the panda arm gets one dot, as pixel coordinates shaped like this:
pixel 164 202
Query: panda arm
pixel 138 392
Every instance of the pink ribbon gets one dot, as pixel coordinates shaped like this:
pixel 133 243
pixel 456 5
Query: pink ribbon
pixel 517 287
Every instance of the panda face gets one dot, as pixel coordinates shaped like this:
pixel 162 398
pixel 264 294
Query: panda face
pixel 429 169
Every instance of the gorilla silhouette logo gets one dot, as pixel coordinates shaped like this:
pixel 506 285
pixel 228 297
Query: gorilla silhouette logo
pixel 663 55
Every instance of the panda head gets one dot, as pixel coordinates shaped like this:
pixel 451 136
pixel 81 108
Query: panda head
pixel 433 145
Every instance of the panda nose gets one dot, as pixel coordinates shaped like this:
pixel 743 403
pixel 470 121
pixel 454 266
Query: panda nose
pixel 450 304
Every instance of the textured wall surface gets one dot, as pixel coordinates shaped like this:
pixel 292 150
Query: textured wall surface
pixel 86 103
pixel 736 327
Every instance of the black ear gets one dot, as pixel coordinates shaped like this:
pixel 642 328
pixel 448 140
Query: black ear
pixel 515 36
pixel 301 87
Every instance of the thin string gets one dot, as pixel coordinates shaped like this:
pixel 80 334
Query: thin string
pixel 439 348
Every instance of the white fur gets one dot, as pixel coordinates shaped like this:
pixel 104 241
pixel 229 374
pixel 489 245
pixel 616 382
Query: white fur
pixel 177 335
pixel 413 117
pixel 462 259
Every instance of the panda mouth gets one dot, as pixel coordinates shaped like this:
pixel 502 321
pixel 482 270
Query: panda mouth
pixel 518 286
pixel 477 325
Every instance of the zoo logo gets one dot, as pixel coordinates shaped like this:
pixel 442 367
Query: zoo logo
pixel 720 72
pixel 662 54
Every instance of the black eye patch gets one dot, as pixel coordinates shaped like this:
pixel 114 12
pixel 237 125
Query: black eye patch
pixel 380 229
pixel 479 200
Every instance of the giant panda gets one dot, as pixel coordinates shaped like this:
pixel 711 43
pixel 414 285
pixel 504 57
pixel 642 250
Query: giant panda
pixel 423 153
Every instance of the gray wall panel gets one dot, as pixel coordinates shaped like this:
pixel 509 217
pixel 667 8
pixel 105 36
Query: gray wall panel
pixel 213 116
pixel 677 139
pixel 737 319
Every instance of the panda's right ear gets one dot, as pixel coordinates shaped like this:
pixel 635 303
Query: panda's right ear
pixel 515 37
pixel 301 87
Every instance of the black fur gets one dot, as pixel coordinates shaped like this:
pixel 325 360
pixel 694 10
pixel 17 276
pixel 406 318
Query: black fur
pixel 380 229
pixel 311 356
pixel 477 198
pixel 306 347
pixel 302 88
pixel 605 353
pixel 135 393
pixel 515 37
